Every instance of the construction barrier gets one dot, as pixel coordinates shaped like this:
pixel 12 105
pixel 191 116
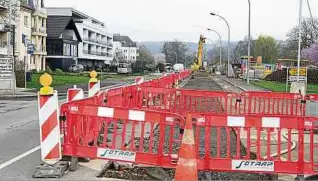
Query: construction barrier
pixel 93 85
pixel 49 122
pixel 139 136
pixel 139 80
pixel 74 94
pixel 258 132
pixel 119 134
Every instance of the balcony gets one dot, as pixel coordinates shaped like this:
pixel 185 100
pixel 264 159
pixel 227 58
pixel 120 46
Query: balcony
pixel 92 39
pixel 86 52
pixel 39 31
pixel 86 38
pixel 41 12
pixel 40 50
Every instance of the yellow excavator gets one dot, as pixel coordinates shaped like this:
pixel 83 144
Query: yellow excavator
pixel 197 64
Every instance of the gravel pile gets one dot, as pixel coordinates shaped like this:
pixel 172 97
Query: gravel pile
pixel 137 173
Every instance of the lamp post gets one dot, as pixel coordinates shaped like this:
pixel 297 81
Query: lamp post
pixel 249 44
pixel 220 38
pixel 228 43
pixel 299 38
pixel 176 57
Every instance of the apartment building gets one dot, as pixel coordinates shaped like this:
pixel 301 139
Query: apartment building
pixel 96 47
pixel 3 33
pixel 30 31
pixel 39 34
pixel 125 49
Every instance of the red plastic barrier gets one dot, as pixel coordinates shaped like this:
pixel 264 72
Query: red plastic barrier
pixel 273 103
pixel 153 138
pixel 121 134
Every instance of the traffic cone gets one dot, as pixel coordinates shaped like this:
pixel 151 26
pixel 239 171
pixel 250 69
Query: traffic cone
pixel 187 162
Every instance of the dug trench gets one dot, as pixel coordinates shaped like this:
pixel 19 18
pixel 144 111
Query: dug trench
pixel 138 172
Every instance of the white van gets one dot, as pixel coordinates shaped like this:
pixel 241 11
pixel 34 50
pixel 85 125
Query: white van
pixel 124 68
pixel 178 67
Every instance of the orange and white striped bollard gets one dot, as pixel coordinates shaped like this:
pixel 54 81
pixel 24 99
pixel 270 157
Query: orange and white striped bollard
pixel 49 122
pixel 74 94
pixel 93 85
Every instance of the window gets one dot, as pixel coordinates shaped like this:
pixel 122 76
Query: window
pixel 26 21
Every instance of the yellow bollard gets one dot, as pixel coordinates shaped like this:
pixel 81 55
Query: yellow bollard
pixel 93 75
pixel 94 84
pixel 46 81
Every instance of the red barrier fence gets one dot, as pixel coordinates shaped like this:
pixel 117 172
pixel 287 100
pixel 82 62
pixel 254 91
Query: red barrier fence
pixel 261 132
pixel 182 101
pixel 140 137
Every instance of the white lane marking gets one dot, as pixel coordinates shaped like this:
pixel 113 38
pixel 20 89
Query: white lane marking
pixel 17 158
pixel 25 154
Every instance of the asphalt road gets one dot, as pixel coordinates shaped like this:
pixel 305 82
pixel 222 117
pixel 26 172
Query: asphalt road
pixel 19 142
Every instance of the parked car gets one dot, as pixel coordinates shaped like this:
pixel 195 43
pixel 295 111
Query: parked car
pixel 124 68
pixel 76 68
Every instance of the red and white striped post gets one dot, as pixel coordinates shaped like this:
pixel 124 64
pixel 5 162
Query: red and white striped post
pixel 49 122
pixel 75 94
pixel 139 80
pixel 93 85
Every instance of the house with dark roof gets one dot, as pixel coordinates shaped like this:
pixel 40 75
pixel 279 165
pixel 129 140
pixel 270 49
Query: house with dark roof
pixel 95 50
pixel 125 49
pixel 62 42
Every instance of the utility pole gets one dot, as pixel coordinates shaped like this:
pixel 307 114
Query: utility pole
pixel 249 43
pixel 299 38
pixel 9 32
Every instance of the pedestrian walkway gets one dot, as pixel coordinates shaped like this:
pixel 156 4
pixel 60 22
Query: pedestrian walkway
pixel 242 84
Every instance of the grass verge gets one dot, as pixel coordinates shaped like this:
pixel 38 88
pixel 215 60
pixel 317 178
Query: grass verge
pixel 281 87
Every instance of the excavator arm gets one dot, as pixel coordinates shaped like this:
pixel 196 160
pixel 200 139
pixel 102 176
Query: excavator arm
pixel 198 62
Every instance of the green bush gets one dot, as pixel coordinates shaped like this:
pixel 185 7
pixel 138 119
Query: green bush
pixel 48 70
pixel 34 71
pixel 59 72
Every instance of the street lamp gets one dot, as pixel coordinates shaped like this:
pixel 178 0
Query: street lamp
pixel 249 44
pixel 176 57
pixel 228 43
pixel 299 38
pixel 209 29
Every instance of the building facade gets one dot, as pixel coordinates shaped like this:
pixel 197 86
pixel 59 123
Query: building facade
pixel 62 42
pixel 125 49
pixel 30 31
pixel 96 48
pixel 3 33
pixel 39 34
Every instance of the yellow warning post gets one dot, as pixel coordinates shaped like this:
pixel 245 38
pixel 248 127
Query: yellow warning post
pixel 46 81
pixel 93 75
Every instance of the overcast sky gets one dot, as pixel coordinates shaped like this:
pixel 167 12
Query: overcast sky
pixel 159 20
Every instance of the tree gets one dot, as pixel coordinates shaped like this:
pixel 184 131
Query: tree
pixel 309 36
pixel 311 53
pixel 175 51
pixel 15 7
pixel 146 56
pixel 267 47
pixel 241 48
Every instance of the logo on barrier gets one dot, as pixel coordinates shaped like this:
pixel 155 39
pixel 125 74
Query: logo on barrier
pixel 250 165
pixel 116 154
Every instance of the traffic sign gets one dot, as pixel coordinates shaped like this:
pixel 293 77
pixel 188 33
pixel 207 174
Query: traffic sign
pixel 294 78
pixel 294 71
pixel 30 48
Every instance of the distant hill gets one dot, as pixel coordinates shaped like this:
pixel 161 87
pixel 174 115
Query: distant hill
pixel 155 46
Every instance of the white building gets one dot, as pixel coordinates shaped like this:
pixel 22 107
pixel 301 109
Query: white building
pixel 97 46
pixel 125 49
